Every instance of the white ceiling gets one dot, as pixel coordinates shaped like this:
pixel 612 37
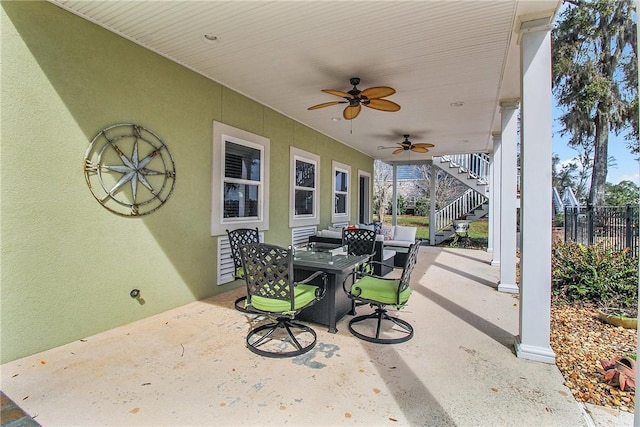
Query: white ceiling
pixel 282 53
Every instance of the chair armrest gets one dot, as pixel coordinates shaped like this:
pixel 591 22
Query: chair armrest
pixel 322 289
pixel 378 263
pixel 356 274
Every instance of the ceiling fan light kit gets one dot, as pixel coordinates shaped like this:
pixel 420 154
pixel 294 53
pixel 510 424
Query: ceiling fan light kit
pixel 356 98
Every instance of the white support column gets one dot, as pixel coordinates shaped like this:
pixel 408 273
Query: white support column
pixel 508 196
pixel 496 197
pixel 432 200
pixel 492 196
pixel 394 213
pixel 535 157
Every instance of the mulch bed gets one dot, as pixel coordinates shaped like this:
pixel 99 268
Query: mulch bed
pixel 580 341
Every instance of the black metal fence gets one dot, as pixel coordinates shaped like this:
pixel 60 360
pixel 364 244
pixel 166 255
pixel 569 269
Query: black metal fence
pixel 615 227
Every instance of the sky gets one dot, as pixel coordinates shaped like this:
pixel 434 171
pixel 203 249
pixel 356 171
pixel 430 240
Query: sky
pixel 627 167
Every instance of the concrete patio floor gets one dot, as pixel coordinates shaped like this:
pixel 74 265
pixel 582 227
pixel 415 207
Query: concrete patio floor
pixel 189 367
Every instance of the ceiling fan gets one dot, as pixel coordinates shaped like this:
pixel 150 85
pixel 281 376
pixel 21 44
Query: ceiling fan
pixel 407 145
pixel 356 98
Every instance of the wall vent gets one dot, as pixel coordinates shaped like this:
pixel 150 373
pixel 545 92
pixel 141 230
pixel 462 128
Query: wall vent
pixel 226 267
pixel 300 235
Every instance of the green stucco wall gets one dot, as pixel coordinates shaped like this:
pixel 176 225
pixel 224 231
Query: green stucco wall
pixel 68 264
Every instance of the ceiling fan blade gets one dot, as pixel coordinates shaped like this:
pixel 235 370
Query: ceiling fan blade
pixel 398 151
pixel 419 149
pixel 326 104
pixel 378 92
pixel 424 145
pixel 338 93
pixel 351 113
pixel 382 105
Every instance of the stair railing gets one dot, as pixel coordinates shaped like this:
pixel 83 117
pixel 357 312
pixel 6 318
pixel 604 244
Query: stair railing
pixel 475 164
pixel 458 208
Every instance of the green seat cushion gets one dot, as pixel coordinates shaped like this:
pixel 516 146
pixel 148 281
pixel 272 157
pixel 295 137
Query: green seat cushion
pixel 381 290
pixel 304 294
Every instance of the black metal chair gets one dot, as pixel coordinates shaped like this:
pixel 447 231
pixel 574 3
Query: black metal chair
pixel 271 290
pixel 360 241
pixel 237 238
pixel 380 292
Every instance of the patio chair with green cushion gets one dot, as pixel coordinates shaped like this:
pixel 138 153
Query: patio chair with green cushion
pixel 237 238
pixel 271 290
pixel 380 292
pixel 360 241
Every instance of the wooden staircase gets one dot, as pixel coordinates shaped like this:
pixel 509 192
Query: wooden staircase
pixel 473 171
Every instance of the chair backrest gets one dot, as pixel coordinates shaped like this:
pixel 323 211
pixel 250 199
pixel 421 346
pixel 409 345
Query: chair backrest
pixel 412 257
pixel 268 271
pixel 239 237
pixel 359 241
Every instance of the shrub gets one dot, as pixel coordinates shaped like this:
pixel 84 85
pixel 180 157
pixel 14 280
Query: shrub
pixel 594 274
pixel 422 206
pixel 558 220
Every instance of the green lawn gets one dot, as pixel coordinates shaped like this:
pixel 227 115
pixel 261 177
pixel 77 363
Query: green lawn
pixel 478 230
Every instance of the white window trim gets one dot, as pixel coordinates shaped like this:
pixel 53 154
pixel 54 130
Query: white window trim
pixel 221 134
pixel 307 157
pixel 340 167
pixel 367 212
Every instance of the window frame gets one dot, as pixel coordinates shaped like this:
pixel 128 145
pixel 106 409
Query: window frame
pixel 222 134
pixel 296 154
pixel 340 217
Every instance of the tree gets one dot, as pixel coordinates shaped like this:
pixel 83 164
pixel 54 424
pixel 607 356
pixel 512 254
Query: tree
pixel 625 192
pixel 402 205
pixel 595 79
pixel 448 188
pixel 382 187
pixel 563 176
pixel 575 173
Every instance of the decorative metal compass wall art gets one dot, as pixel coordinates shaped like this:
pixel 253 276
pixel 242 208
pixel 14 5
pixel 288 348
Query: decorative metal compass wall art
pixel 129 170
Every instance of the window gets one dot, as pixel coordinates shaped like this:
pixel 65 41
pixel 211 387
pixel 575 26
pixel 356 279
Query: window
pixel 304 198
pixel 240 193
pixel 341 199
pixel 242 180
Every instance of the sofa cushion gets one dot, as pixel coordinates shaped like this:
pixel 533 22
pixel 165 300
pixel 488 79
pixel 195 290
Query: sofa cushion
pixel 398 243
pixel 388 232
pixel 387 254
pixel 367 227
pixel 405 233
pixel 330 234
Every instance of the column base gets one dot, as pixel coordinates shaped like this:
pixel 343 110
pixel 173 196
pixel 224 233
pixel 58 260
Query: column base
pixel 537 354
pixel 508 288
pixel 495 262
pixel 490 250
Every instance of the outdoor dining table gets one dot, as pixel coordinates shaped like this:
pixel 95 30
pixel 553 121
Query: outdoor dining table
pixel 335 303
